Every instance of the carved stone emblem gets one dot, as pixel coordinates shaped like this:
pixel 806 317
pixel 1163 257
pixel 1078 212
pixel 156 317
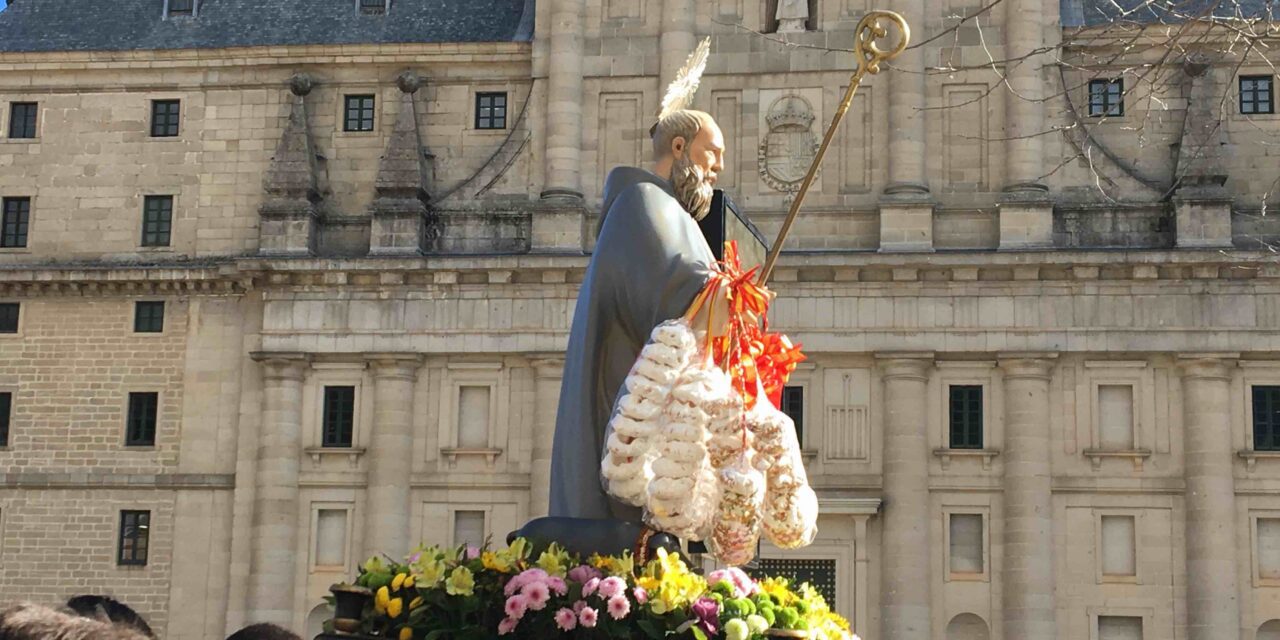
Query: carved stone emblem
pixel 790 146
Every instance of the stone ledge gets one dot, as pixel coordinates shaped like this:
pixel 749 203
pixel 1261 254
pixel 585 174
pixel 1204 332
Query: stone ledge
pixel 985 454
pixel 236 276
pixel 64 480
pixel 1136 455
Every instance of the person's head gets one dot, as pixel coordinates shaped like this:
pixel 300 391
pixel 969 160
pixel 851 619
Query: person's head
pixel 108 608
pixel 264 631
pixel 688 149
pixel 35 622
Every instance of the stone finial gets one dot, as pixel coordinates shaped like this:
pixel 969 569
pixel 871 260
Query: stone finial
pixel 301 84
pixel 409 81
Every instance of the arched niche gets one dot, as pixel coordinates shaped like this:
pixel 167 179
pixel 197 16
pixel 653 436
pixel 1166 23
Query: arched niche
pixel 967 626
pixel 316 620
pixel 1270 630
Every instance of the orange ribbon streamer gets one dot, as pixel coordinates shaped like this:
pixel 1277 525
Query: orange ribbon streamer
pixel 753 357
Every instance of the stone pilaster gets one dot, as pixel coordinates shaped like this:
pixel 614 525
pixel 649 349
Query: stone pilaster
pixel 906 120
pixel 905 535
pixel 549 372
pixel 399 212
pixel 275 521
pixel 677 40
pixel 1028 524
pixel 387 528
pixel 564 102
pixel 290 211
pixel 1213 607
pixel 1024 102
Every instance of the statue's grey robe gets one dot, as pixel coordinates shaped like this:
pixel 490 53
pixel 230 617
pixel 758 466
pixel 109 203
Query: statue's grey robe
pixel 650 262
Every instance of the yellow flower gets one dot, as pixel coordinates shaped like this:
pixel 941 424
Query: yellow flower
pixel 398 581
pixel 408 582
pixel 670 583
pixel 555 561
pixel 381 598
pixel 394 607
pixel 431 575
pixel 460 583
pixel 494 562
pixel 415 603
pixel 406 633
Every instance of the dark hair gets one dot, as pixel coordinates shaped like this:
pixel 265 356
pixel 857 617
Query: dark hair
pixel 108 608
pixel 264 631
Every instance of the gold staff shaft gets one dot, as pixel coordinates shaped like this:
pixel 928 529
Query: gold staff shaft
pixel 869 58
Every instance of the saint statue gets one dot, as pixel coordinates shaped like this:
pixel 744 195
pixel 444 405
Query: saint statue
pixel 650 261
pixel 792 15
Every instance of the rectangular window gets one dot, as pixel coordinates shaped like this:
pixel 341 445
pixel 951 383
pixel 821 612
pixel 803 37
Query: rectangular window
pixel 966 543
pixel 1256 95
pixel 9 317
pixel 473 417
pixel 181 7
pixel 141 428
pixel 22 119
pixel 1266 418
pixel 1119 548
pixel 148 317
pixel 164 118
pixel 468 528
pixel 359 113
pixel 339 416
pixel 1268 541
pixel 331 538
pixel 135 534
pixel 1106 97
pixel 373 7
pixel 793 406
pixel 491 110
pixel 1115 417
pixel 6 411
pixel 1119 628
pixel 964 410
pixel 157 220
pixel 14 223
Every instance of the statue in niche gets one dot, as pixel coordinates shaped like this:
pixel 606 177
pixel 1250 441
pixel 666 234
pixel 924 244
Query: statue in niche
pixel 792 16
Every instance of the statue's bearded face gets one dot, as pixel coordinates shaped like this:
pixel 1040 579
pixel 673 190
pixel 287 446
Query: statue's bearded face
pixel 693 187
pixel 695 171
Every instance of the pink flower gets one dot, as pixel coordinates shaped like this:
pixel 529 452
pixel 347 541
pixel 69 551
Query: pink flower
pixel 516 606
pixel 583 573
pixel 507 626
pixel 611 586
pixel 579 606
pixel 538 594
pixel 566 619
pixel 588 617
pixel 525 577
pixel 557 585
pixel 590 586
pixel 641 595
pixel 619 607
pixel 473 552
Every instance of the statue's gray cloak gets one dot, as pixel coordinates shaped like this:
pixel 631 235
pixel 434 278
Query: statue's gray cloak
pixel 650 262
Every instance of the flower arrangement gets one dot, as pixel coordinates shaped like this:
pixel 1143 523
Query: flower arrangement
pixel 468 594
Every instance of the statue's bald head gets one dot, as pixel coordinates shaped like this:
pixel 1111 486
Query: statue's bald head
pixel 688 150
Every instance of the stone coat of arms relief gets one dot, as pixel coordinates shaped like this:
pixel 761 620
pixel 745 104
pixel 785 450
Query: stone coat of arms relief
pixel 790 145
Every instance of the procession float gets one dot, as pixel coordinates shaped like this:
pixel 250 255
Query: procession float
pixel 696 440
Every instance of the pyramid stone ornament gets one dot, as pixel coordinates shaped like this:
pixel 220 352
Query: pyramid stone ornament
pixel 400 209
pixel 290 210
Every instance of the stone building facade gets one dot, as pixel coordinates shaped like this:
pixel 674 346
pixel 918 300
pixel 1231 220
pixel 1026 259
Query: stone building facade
pixel 1043 387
